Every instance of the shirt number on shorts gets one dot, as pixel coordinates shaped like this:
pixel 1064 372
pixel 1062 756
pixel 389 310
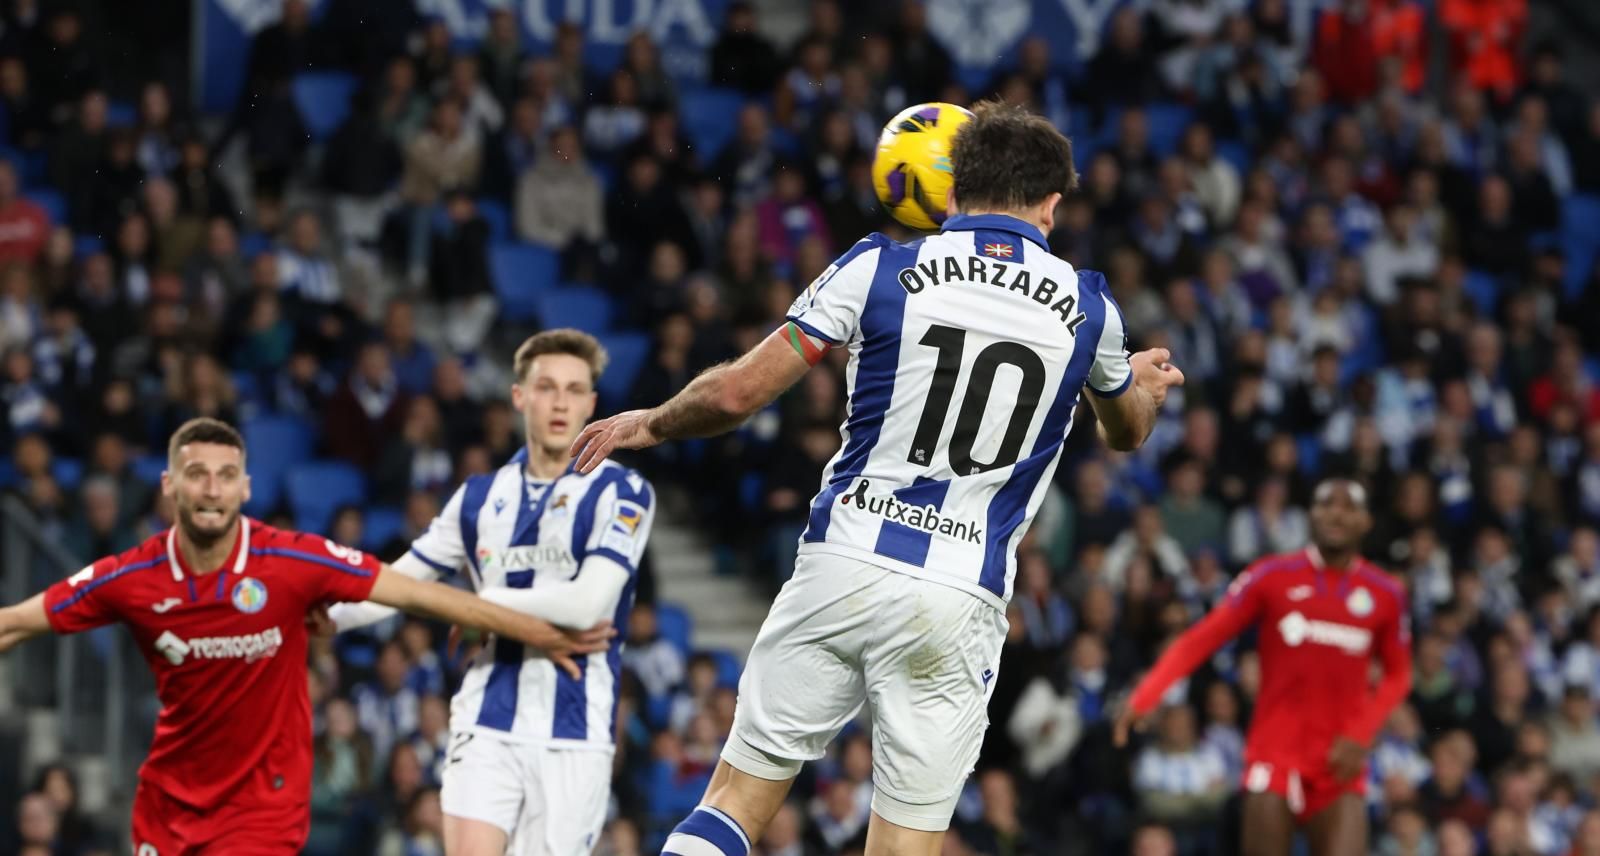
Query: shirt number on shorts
pixel 458 743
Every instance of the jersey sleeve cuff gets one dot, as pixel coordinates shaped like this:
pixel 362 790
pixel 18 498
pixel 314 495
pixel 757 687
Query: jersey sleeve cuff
pixel 609 554
pixel 812 331
pixel 1113 393
pixel 442 568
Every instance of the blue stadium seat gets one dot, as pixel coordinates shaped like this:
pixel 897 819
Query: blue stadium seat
pixel 121 114
pixel 520 273
pixel 148 468
pixel 1310 448
pixel 53 203
pixel 628 353
pixel 68 473
pixel 1484 291
pixel 674 625
pixel 710 117
pixel 1167 124
pixel 587 309
pixel 323 100
pixel 318 488
pixel 494 213
pixel 84 246
pixel 1235 153
pixel 1580 239
pixel 728 667
pixel 276 444
pixel 383 524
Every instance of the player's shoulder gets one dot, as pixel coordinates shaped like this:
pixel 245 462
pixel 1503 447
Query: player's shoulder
pixel 1271 572
pixel 1383 581
pixel 629 482
pixel 148 555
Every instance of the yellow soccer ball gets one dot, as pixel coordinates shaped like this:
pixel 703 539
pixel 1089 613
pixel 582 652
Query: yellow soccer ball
pixel 911 170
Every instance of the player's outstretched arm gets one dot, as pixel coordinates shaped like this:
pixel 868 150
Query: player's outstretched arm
pixel 574 604
pixel 717 401
pixel 23 621
pixel 438 601
pixel 1183 656
pixel 1126 420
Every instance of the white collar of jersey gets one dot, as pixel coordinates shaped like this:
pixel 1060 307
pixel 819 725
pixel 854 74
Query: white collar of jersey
pixel 238 561
pixel 997 222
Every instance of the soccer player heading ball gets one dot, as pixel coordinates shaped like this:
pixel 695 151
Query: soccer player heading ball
pixel 968 350
pixel 217 605
pixel 1322 614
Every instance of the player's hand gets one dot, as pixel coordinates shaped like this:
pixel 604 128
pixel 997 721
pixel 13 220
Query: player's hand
pixel 1346 758
pixel 459 635
pixel 1127 721
pixel 630 430
pixel 561 645
pixel 1154 373
pixel 319 624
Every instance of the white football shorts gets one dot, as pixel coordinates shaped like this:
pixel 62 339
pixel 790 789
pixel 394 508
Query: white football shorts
pixel 920 654
pixel 548 801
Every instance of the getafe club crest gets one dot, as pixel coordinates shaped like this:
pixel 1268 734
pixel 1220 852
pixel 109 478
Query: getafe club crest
pixel 249 595
pixel 1359 602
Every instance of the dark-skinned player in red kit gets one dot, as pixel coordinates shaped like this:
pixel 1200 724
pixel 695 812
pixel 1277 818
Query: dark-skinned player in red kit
pixel 1322 615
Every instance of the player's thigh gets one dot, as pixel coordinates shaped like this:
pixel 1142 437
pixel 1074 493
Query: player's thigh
pixel 484 783
pixel 1268 825
pixel 803 680
pixel 1340 829
pixel 929 674
pixel 159 824
pixel 566 818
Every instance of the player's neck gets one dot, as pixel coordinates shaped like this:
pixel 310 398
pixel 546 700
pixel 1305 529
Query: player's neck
pixel 545 464
pixel 1031 216
pixel 1338 560
pixel 204 559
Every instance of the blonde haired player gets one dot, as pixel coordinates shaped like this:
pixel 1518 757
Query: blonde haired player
pixel 968 351
pixel 529 764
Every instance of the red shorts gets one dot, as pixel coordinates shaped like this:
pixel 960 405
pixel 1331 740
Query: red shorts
pixel 1308 790
pixel 163 826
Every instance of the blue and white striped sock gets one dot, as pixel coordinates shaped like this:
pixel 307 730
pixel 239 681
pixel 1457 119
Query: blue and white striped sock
pixel 707 831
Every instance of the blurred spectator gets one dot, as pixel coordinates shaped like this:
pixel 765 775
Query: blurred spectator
pixel 23 224
pixel 1483 42
pixel 559 199
pixel 368 404
pixel 742 57
pixel 1180 779
pixel 387 708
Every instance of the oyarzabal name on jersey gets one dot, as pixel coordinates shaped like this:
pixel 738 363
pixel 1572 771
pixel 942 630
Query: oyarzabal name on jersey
pixel 948 270
pixel 926 518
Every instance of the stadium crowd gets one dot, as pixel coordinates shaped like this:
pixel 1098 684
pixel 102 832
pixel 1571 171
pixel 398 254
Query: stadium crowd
pixel 1371 250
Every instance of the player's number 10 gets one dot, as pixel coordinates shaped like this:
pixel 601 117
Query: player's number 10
pixel 950 342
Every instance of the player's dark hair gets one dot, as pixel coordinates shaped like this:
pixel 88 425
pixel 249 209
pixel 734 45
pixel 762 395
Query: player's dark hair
pixel 1007 158
pixel 563 341
pixel 204 429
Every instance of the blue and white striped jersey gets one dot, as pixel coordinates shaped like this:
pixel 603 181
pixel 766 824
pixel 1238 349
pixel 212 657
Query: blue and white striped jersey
pixel 967 352
pixel 509 530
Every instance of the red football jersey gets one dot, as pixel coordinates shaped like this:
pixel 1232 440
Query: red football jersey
pixel 1318 631
pixel 228 650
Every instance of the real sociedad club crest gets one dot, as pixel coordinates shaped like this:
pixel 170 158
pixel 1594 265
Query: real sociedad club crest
pixel 977 32
pixel 249 595
pixel 1359 602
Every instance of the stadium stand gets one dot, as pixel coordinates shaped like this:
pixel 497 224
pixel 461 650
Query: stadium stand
pixel 1426 224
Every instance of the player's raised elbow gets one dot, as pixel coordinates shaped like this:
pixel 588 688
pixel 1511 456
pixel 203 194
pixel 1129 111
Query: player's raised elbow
pixel 1120 438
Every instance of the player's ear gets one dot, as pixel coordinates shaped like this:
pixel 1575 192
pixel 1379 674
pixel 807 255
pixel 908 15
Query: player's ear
pixel 245 497
pixel 1047 211
pixel 950 207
